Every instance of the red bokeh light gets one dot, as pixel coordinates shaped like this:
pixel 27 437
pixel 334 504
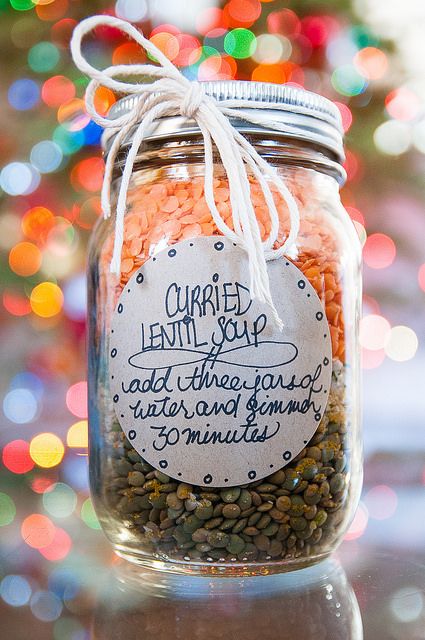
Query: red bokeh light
pixel 57 90
pixel 38 531
pixel 16 304
pixel 402 104
pixel 315 28
pixel 106 32
pixel 242 13
pixel 346 115
pixel 16 456
pixel 189 50
pixel 76 399
pixel 353 165
pixel 421 277
pixel 379 251
pixel 370 306
pixel 88 174
pixel 41 484
pixel 59 547
pixel 318 29
pixel 285 23
pixel 381 502
pixel 61 32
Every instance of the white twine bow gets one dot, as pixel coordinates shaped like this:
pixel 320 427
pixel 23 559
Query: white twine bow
pixel 170 93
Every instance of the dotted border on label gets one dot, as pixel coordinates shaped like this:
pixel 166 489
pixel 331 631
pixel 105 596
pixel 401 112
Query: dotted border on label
pixel 218 246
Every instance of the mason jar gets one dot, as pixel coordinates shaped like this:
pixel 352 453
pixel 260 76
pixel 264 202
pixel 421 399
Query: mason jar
pixel 220 442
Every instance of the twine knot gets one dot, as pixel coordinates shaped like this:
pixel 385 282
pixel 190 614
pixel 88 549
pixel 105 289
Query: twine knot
pixel 167 92
pixel 192 100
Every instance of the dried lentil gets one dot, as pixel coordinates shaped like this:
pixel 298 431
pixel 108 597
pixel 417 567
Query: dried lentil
pixel 283 516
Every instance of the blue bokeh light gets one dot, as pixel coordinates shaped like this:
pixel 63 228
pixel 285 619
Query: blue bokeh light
pixel 92 133
pixel 20 406
pixel 46 606
pixel 46 156
pixel 23 94
pixel 15 590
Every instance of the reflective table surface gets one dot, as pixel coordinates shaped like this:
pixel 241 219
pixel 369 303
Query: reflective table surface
pixel 360 592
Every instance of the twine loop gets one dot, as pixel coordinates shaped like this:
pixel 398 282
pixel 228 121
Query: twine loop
pixel 165 91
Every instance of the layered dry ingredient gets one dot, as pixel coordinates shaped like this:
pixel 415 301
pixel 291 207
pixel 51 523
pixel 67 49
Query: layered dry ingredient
pixel 297 511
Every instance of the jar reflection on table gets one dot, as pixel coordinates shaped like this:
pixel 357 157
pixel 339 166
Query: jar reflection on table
pixel 316 603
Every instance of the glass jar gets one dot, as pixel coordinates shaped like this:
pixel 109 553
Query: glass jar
pixel 219 444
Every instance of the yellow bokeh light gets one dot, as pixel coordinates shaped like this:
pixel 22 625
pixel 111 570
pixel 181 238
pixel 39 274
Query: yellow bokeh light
pixel 77 436
pixel 73 115
pixel 46 299
pixel 272 48
pixel 47 450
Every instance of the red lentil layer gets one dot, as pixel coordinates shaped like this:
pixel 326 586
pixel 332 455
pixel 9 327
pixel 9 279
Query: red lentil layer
pixel 171 210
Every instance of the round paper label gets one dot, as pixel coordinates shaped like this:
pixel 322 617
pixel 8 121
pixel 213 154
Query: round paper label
pixel 205 385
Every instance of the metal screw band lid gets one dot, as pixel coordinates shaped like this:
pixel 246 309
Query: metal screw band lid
pixel 308 116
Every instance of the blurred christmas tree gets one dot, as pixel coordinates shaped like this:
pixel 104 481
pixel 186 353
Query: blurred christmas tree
pixel 51 167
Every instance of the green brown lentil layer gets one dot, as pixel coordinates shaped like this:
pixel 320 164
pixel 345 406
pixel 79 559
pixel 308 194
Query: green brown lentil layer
pixel 293 513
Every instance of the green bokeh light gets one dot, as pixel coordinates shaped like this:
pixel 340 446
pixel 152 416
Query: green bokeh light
pixel 207 52
pixel 362 37
pixel 69 141
pixel 240 43
pixel 22 5
pixel 60 501
pixel 348 81
pixel 88 515
pixel 7 510
pixel 43 57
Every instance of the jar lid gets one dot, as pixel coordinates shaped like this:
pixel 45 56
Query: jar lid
pixel 309 116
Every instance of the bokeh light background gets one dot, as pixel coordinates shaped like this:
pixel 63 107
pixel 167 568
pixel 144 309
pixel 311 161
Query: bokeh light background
pixel 368 56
